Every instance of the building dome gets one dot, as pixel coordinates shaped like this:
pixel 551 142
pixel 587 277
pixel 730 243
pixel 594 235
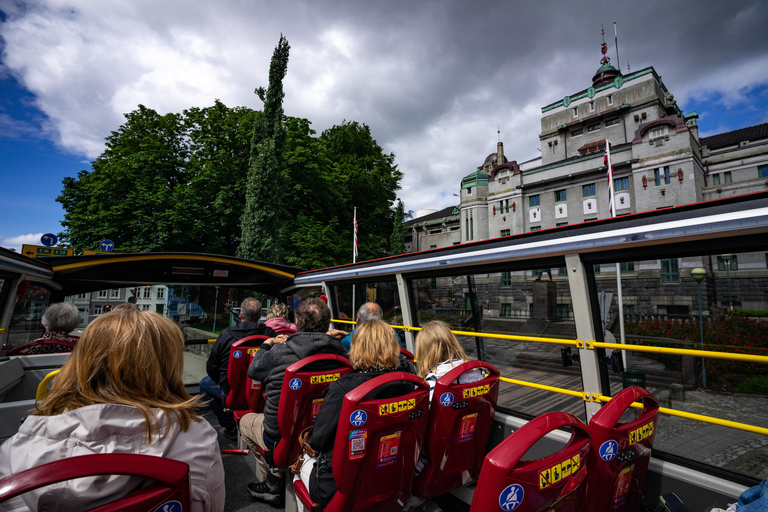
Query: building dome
pixel 492 159
pixel 605 74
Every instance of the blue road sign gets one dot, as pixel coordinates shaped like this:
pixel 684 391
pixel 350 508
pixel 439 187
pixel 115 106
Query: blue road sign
pixel 107 245
pixel 49 239
pixel 294 301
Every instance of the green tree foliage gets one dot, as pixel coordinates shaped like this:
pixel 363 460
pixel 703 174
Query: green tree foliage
pixel 396 242
pixel 261 238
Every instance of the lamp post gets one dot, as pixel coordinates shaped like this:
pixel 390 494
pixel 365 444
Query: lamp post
pixel 699 274
pixel 727 260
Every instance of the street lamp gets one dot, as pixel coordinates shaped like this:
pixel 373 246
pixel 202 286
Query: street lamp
pixel 699 274
pixel 727 259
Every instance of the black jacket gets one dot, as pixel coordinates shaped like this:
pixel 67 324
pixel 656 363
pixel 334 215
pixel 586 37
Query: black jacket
pixel 218 360
pixel 270 363
pixel 322 438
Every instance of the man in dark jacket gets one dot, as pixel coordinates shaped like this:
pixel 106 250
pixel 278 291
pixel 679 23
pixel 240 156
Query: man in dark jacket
pixel 275 355
pixel 216 385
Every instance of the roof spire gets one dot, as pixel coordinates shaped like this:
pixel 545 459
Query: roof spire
pixel 498 133
pixel 604 48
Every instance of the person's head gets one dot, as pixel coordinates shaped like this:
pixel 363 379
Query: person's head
pixel 369 311
pixel 436 343
pixel 374 346
pixel 313 315
pixel 132 299
pixel 277 310
pixel 131 306
pixel 250 310
pixel 61 317
pixel 126 357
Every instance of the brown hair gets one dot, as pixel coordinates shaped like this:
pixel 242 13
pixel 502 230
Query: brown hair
pixel 436 343
pixel 313 315
pixel 374 346
pixel 126 357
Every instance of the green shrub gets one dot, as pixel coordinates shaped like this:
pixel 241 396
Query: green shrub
pixel 754 386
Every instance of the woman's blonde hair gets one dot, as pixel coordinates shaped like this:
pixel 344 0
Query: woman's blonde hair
pixel 436 343
pixel 126 357
pixel 277 310
pixel 374 346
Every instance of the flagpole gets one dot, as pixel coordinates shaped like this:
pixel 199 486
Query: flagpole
pixel 354 257
pixel 612 208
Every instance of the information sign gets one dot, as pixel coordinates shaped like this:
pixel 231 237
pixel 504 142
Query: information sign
pixel 39 251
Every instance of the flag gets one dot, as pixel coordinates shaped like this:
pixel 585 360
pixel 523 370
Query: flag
pixel 607 163
pixel 354 225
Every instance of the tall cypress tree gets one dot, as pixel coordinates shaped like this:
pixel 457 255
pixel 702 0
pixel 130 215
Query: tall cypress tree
pixel 260 223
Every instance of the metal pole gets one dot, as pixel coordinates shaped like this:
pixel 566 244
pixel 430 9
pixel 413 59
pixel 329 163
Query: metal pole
pixel 701 332
pixel 215 309
pixel 728 273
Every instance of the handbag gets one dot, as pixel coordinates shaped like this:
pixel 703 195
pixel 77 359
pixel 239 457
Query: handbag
pixel 305 450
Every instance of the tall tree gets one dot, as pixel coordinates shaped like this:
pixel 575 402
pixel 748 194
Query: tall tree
pixel 396 242
pixel 264 194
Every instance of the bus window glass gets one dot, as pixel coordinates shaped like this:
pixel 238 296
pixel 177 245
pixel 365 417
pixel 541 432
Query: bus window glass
pixel 663 313
pixel 520 303
pixel 383 293
pixel 31 302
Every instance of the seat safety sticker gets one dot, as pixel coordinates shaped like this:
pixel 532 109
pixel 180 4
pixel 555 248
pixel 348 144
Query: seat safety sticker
pixel 446 399
pixel 322 379
pixel 255 384
pixel 644 432
pixel 357 444
pixel 467 428
pixel 511 497
pixel 477 391
pixel 608 450
pixel 237 354
pixel 554 474
pixel 358 418
pixel 169 506
pixel 395 407
pixel 295 384
pixel 388 446
pixel 316 403
pixel 622 488
pixel 252 350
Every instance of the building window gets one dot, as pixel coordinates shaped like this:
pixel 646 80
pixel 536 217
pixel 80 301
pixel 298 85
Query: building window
pixel 660 175
pixel 433 283
pixel 560 195
pixel 591 106
pixel 576 133
pixel 534 201
pixel 456 243
pixel 727 177
pixel 715 179
pixel 562 311
pixel 471 228
pixel 629 309
pixel 562 271
pixel 670 271
pixel 722 266
pixel 611 122
pixel 596 269
pixel 102 294
pixel 627 266
pixel 561 224
pixel 762 171
pixel 575 111
pixel 469 190
pixel 147 292
pixel 114 294
pixel 588 190
pixel 621 184
pixel 433 247
pixel 610 102
pixel 535 228
pixel 589 220
pixel 506 310
pixel 161 293
pixel 506 279
pixel 82 295
pixel 505 232
pixel 593 127
pixel 98 309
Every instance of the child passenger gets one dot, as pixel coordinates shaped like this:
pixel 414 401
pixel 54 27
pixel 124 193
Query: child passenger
pixel 119 392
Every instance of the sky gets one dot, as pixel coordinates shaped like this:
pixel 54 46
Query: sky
pixel 436 80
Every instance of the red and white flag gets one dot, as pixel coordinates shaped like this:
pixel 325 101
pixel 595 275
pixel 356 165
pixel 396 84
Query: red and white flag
pixel 607 163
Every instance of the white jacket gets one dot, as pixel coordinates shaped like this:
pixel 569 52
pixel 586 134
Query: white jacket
pixel 110 429
pixel 473 375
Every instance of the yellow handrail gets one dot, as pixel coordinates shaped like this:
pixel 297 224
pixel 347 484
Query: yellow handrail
pixel 42 388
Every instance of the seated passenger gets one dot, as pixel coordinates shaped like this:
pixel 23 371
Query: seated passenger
pixel 375 351
pixel 59 320
pixel 277 319
pixel 438 352
pixel 367 312
pixel 119 392
pixel 313 318
pixel 215 384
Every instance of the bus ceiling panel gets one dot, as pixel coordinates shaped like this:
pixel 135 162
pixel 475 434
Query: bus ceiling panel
pixel 652 235
pixel 15 263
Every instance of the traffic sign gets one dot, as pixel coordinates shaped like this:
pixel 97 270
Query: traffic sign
pixel 294 301
pixel 107 245
pixel 48 239
pixel 39 251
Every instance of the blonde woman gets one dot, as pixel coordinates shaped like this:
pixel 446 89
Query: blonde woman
pixel 438 352
pixel 277 319
pixel 374 351
pixel 119 392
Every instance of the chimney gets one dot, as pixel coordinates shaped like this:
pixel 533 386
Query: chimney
pixel 499 153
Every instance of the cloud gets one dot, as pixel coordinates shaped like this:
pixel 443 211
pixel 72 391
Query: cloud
pixel 17 128
pixel 15 242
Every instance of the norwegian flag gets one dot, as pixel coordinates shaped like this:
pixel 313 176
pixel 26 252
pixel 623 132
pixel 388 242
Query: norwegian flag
pixel 354 224
pixel 607 163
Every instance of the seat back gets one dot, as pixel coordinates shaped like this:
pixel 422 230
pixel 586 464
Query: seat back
pixel 237 369
pixel 303 392
pixel 460 420
pixel 377 444
pixel 169 479
pixel 407 355
pixel 555 482
pixel 621 452
pixel 66 346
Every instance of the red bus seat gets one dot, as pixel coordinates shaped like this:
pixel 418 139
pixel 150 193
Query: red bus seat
pixel 555 482
pixel 460 420
pixel 303 392
pixel 237 370
pixel 621 452
pixel 378 442
pixel 169 479
pixel 407 355
pixel 67 346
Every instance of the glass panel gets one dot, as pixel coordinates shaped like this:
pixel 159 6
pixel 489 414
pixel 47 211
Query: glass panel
pixel 26 325
pixel 383 293
pixel 534 303
pixel 664 314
